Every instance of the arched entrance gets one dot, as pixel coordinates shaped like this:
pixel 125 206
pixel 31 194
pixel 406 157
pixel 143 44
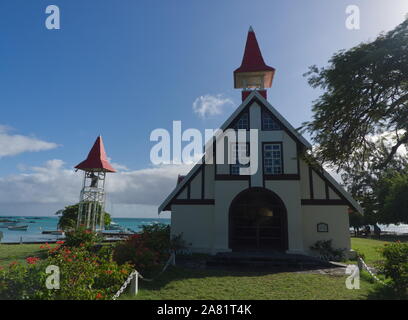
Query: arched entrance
pixel 258 221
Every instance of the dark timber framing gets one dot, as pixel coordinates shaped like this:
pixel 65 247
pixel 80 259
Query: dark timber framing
pixel 323 202
pixel 311 183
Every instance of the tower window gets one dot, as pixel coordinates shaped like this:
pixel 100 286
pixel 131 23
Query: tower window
pixel 272 154
pixel 243 122
pixel 269 123
pixel 238 152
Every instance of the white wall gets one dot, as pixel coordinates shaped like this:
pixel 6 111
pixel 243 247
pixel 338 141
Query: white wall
pixel 289 192
pixel 225 192
pixel 195 222
pixel 337 219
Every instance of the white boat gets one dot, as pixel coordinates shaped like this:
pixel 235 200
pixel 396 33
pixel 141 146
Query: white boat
pixel 18 228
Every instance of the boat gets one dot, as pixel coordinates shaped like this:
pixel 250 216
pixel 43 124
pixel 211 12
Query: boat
pixel 57 232
pixel 8 224
pixel 54 232
pixel 18 228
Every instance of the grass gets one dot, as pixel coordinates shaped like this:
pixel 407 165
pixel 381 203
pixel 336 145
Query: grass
pixel 369 247
pixel 19 252
pixel 178 283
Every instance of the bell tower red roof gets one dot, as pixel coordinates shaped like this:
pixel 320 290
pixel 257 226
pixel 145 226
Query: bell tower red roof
pixel 96 160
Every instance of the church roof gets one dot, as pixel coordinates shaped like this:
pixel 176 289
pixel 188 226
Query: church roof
pixel 254 95
pixel 96 160
pixel 252 60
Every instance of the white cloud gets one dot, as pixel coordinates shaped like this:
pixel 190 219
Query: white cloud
pixel 53 185
pixel 13 144
pixel 209 105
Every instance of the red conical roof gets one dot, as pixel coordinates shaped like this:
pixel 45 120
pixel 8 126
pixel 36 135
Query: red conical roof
pixel 96 160
pixel 253 60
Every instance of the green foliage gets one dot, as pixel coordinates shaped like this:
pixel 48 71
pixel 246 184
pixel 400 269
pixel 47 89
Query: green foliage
pixel 21 282
pixel 83 275
pixel 326 251
pixel 69 217
pixel 360 121
pixel 149 248
pixel 356 219
pixel 395 266
pixel 82 237
pixel 365 93
pixel 393 199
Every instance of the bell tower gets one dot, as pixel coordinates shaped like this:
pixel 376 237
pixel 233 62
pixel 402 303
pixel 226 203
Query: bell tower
pixel 253 74
pixel 91 211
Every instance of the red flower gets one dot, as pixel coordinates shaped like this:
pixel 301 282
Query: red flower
pixel 99 296
pixel 60 242
pixel 109 271
pixel 32 260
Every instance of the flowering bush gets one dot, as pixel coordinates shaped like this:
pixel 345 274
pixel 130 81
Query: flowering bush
pixel 147 249
pixel 83 275
pixel 82 237
pixel 395 266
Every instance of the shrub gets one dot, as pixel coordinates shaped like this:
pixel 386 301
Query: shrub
pixel 147 249
pixel 81 237
pixel 395 266
pixel 22 282
pixel 83 275
pixel 326 251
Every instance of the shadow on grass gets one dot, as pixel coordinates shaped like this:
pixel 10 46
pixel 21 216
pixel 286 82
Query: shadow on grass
pixel 381 292
pixel 181 272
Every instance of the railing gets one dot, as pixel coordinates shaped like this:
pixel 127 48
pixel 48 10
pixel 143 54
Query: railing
pixel 133 278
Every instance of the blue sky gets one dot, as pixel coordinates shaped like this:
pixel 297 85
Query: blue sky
pixel 124 68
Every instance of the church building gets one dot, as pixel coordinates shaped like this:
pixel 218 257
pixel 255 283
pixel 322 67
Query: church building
pixel 287 205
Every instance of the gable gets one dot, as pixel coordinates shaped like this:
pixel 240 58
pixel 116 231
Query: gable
pixel 184 187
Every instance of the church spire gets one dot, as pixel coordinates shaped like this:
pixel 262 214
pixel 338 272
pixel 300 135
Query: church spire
pixel 253 72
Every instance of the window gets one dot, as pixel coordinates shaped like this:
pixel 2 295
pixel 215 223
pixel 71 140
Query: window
pixel 238 151
pixel 272 155
pixel 322 227
pixel 243 122
pixel 269 123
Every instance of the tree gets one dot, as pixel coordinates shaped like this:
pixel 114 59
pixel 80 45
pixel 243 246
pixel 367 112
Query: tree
pixel 360 122
pixel 69 217
pixel 393 198
pixel 361 119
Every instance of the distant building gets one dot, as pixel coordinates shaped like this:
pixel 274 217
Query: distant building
pixel 287 205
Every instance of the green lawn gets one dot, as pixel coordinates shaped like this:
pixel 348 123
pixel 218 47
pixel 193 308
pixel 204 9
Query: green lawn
pixel 19 252
pixel 178 283
pixel 370 246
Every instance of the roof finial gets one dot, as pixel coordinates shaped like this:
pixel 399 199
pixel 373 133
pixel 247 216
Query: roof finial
pixel 250 29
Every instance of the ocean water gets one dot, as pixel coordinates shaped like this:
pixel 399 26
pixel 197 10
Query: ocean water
pixel 38 224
